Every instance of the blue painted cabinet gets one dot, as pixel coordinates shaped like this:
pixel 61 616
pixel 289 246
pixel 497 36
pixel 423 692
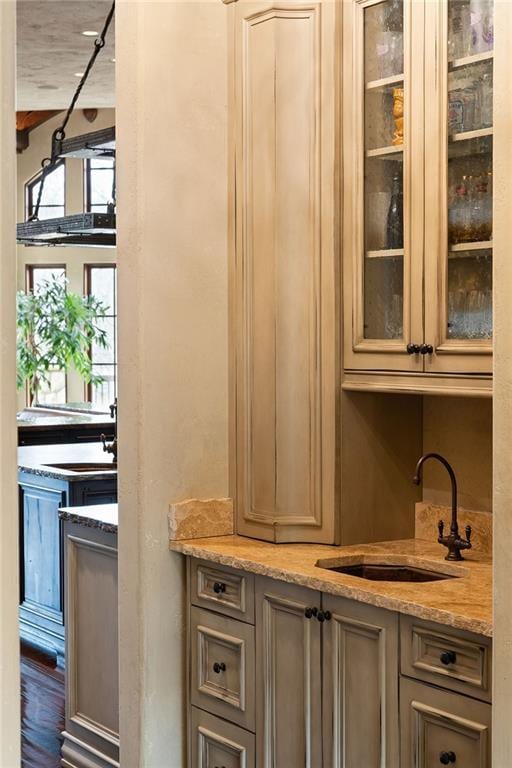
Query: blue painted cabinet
pixel 41 551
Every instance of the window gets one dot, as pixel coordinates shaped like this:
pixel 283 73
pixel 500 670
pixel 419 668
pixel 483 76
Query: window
pixel 99 184
pixel 55 392
pixel 53 197
pixel 101 282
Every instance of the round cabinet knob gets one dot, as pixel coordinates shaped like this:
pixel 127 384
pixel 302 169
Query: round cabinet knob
pixel 219 667
pixel 310 612
pixel 448 657
pixel 219 588
pixel 413 349
pixel 324 616
pixel 445 758
pixel 426 349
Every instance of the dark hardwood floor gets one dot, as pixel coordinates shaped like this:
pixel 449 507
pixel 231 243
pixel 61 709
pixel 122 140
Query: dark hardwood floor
pixel 42 709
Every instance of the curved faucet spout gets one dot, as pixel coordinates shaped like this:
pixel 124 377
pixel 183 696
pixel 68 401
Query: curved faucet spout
pixel 418 477
pixel 453 541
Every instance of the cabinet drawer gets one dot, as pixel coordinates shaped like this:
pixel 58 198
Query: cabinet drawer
pixel 222 589
pixel 443 728
pixel 218 744
pixel 222 666
pixel 447 657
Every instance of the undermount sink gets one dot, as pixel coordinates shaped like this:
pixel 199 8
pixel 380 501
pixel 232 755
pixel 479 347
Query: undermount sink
pixel 85 466
pixel 401 570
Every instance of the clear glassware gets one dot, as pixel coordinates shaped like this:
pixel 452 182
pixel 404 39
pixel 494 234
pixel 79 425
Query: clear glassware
pixel 459 29
pixel 482 25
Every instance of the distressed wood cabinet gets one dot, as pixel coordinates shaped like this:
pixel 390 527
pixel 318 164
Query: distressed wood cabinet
pixel 41 613
pixel 325 680
pixel 417 181
pixel 284 270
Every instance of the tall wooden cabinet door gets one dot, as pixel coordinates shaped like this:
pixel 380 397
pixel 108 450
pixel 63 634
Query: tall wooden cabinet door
pixel 459 186
pixel 382 128
pixel 288 677
pixel 284 302
pixel 360 686
pixel 442 728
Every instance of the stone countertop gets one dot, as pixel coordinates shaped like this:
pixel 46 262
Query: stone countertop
pixel 464 603
pixel 39 460
pixel 42 419
pixel 102 516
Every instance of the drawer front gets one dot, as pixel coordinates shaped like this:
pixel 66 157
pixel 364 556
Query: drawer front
pixel 218 744
pixel 222 589
pixel 447 657
pixel 443 728
pixel 222 666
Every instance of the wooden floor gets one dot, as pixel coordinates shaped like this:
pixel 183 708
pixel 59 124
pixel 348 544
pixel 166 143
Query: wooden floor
pixel 42 709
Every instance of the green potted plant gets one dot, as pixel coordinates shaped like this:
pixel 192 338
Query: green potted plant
pixel 55 331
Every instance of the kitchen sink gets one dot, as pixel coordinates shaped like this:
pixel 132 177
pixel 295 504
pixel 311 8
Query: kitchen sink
pixel 401 570
pixel 85 466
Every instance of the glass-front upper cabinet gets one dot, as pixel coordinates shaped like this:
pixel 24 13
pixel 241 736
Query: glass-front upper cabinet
pixel 417 128
pixel 379 131
pixel 459 326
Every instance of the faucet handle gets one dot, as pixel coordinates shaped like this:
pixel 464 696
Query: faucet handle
pixel 468 534
pixel 440 527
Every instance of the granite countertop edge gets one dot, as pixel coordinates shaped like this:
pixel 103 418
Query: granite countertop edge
pixel 87 522
pixel 267 561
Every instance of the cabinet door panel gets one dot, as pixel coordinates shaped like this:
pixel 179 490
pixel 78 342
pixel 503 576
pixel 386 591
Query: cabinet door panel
pixel 288 689
pixel 285 271
pixel 383 194
pixel 458 198
pixel 360 686
pixel 438 726
pixel 218 744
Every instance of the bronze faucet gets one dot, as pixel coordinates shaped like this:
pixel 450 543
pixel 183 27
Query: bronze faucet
pixel 453 541
pixel 111 447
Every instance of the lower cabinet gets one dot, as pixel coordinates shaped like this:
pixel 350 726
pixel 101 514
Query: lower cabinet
pixel 443 728
pixel 360 685
pixel 216 743
pixel 41 613
pixel 333 683
pixel 288 674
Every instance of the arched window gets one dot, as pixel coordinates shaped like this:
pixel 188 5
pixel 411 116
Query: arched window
pixel 53 198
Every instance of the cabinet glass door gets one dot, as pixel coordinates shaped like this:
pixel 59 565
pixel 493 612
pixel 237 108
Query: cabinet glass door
pixel 383 315
pixel 464 322
pixel 377 173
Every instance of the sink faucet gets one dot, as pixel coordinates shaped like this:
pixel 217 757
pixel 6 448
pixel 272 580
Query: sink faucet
pixel 453 541
pixel 111 447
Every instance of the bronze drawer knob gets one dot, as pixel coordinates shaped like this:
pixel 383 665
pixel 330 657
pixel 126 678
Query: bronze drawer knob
pixel 448 657
pixel 219 588
pixel 445 758
pixel 219 667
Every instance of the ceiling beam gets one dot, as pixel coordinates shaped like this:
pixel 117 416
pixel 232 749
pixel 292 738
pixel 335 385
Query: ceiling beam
pixel 27 121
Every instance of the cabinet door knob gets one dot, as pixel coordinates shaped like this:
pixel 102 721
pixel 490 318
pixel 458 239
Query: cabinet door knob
pixel 324 616
pixel 219 588
pixel 413 349
pixel 445 758
pixel 310 612
pixel 219 667
pixel 426 349
pixel 448 657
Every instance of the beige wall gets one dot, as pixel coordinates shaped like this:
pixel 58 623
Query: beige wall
pixel 502 281
pixel 461 430
pixel 173 386
pixel 74 259
pixel 9 589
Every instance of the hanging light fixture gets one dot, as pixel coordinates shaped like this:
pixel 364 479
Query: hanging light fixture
pixel 80 229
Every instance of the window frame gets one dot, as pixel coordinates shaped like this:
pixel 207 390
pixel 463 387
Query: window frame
pixel 87 171
pixel 29 185
pixel 88 389
pixel 29 286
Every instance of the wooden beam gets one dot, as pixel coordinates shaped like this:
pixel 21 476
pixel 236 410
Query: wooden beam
pixel 34 118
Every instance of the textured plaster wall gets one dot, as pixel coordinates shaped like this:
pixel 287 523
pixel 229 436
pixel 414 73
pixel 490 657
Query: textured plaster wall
pixel 173 391
pixel 9 589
